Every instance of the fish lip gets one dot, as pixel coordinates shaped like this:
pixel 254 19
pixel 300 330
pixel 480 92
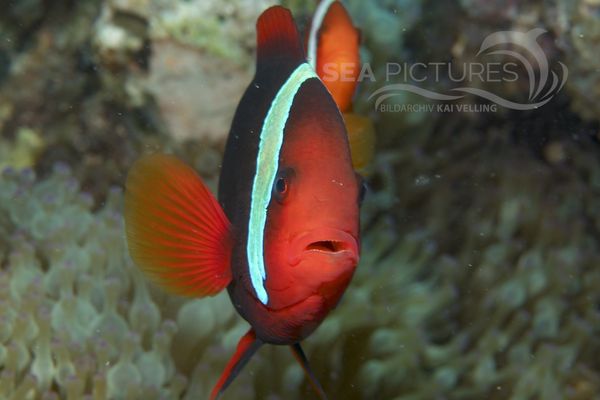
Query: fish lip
pixel 326 241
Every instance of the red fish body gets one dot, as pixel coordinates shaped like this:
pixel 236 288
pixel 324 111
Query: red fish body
pixel 284 236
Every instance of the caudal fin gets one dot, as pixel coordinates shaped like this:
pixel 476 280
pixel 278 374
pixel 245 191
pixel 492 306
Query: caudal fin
pixel 303 361
pixel 176 230
pixel 246 348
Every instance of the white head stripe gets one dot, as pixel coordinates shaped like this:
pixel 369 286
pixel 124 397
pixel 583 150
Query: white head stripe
pixel 315 26
pixel 267 163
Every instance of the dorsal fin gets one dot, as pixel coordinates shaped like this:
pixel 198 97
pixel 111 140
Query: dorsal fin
pixel 277 39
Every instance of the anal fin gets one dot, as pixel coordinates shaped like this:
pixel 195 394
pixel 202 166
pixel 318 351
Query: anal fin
pixel 303 361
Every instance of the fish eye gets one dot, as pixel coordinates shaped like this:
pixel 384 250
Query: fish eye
pixel 281 186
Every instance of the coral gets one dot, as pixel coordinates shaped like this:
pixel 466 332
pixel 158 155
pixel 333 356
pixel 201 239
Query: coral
pixel 573 39
pixel 222 29
pixel 197 94
pixel 23 151
pixel 77 318
pixel 578 36
pixel 201 47
pixel 75 95
pixel 478 276
pixel 385 26
pixel 200 62
pixel 505 306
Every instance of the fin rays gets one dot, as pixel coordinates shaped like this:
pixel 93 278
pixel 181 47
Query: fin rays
pixel 303 361
pixel 176 230
pixel 246 348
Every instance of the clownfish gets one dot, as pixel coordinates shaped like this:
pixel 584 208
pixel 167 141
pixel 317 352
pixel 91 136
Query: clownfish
pixel 283 236
pixel 333 49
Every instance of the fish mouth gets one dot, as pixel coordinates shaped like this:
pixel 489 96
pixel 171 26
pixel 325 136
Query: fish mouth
pixel 324 241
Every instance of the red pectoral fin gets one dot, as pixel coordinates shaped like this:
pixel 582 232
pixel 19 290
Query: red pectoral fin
pixel 176 230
